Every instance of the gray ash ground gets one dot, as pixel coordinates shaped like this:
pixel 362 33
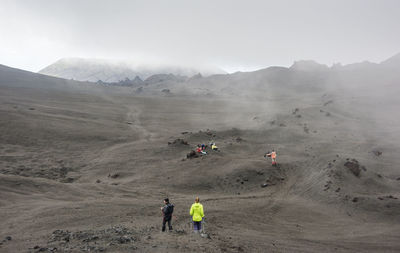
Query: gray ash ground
pixel 114 238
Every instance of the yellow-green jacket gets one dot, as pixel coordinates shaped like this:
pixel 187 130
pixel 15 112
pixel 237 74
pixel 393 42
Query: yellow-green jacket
pixel 197 212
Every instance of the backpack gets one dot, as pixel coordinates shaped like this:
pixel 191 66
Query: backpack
pixel 169 210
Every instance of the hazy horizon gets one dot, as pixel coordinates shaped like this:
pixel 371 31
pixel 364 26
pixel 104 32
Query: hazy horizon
pixel 239 36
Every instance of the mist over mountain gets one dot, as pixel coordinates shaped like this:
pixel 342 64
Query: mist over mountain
pixel 108 71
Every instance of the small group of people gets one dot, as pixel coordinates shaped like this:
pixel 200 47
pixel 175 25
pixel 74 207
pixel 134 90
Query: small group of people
pixel 201 148
pixel 196 211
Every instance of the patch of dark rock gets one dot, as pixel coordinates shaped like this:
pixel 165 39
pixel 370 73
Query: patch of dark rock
pixel 185 132
pixel 327 114
pixel 378 175
pixel 398 179
pixel 31 108
pixel 355 199
pixel 89 240
pixel 321 110
pixel 272 122
pixel 68 180
pixel 354 167
pixel 192 154
pixel 98 181
pixel 255 118
pixel 298 116
pixel 167 91
pixel 178 141
pixel 282 124
pixel 337 190
pixel 129 123
pixel 327 185
pixel 264 185
pixel 177 231
pixel 296 110
pixel 239 139
pixel 306 130
pixel 41 249
pixel 377 152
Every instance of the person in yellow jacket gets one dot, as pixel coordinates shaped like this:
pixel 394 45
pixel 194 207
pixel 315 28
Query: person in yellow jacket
pixel 197 213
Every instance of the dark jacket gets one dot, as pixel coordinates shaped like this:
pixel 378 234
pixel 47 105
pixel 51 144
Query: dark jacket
pixel 167 210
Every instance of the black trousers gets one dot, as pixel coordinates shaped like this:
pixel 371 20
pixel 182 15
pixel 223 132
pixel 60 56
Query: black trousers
pixel 165 220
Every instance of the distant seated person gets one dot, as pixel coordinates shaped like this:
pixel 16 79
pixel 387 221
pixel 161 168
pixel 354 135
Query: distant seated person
pixel 214 147
pixel 200 150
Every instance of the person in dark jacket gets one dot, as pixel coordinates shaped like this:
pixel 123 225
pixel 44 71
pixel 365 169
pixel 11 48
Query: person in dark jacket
pixel 167 210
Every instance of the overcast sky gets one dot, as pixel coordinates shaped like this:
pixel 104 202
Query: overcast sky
pixel 234 35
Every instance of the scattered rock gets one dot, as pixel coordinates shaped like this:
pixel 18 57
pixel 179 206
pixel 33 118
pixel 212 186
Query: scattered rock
pixel 129 123
pixel 31 108
pixel 239 139
pixel 178 141
pixel 337 190
pixel 282 125
pixel 327 114
pixel 68 180
pixel 89 240
pixel 354 167
pixel 8 238
pixel 298 116
pixel 98 181
pixel 296 110
pixel 264 185
pixel 113 175
pixel 328 102
pixel 327 185
pixel 192 154
pixel 205 235
pixel 377 152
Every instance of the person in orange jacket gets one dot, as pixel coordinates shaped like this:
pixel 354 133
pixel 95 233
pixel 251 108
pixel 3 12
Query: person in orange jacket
pixel 272 154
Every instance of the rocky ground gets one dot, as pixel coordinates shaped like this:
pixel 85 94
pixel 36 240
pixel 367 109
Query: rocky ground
pixel 87 172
